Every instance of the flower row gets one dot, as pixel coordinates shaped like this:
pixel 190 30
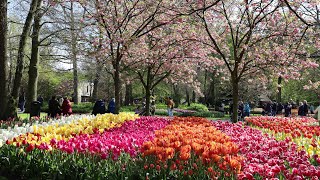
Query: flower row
pixel 63 130
pixel 193 140
pixel 296 127
pixel 302 131
pixel 266 157
pixel 127 139
pixel 16 130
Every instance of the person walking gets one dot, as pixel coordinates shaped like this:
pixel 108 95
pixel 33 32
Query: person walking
pixel 99 107
pixel 274 108
pixel 66 107
pixel 287 110
pixel 40 99
pixel 54 107
pixel 269 109
pixel 112 106
pixel 170 105
pixel 305 108
pixel 311 109
pixel 301 109
pixel 279 108
pixel 247 110
pixel 22 101
pixel 317 113
pixel 240 111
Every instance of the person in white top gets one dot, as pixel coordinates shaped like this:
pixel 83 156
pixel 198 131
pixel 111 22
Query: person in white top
pixel 317 113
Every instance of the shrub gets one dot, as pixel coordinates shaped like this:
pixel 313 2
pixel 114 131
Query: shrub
pixel 81 108
pixel 131 108
pixel 198 107
pixel 197 114
pixel 218 114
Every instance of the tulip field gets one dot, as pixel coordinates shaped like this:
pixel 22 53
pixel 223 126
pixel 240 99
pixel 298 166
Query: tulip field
pixel 126 146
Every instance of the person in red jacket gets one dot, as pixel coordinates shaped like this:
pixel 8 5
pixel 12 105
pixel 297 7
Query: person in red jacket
pixel 66 107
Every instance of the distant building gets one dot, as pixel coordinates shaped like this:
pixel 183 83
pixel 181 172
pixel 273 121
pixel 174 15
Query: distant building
pixel 85 91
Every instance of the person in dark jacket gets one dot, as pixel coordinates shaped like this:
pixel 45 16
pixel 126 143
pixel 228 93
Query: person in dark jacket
pixel 305 108
pixel 112 106
pixel 287 110
pixel 54 107
pixel 274 108
pixel 279 108
pixel 40 99
pixel 269 109
pixel 241 110
pixel 22 101
pixel 99 107
pixel 300 109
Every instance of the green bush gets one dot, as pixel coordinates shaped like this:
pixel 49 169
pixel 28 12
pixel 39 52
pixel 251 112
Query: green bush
pixel 81 108
pixel 197 114
pixel 218 114
pixel 131 108
pixel 198 107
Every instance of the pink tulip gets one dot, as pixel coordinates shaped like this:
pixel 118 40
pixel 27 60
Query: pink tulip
pixel 127 138
pixel 266 156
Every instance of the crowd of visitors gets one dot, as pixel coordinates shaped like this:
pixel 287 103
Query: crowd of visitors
pixel 62 106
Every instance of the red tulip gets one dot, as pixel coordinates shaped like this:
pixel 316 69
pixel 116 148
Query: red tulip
pixel 30 148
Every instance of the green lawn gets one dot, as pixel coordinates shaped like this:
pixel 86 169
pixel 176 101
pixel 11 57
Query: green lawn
pixel 27 115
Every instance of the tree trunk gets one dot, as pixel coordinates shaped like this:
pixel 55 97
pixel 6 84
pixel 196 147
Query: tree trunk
pixel 205 89
pixel 148 94
pixel 34 61
pixel 128 95
pixel 10 67
pixel 235 98
pixel 3 59
pixel 279 89
pixel 21 54
pixel 193 99
pixel 96 81
pixel 176 98
pixel 212 92
pixel 74 57
pixel 117 85
pixel 187 97
pixel 148 91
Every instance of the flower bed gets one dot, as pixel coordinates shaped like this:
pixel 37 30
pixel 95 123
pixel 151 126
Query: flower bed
pixel 125 146
pixel 303 131
pixel 67 128
pixel 265 157
pixel 127 138
pixel 192 146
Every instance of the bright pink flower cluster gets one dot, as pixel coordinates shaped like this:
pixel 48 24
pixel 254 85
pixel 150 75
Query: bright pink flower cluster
pixel 127 138
pixel 267 157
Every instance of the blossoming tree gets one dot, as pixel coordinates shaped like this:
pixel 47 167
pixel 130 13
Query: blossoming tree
pixel 123 23
pixel 241 32
pixel 171 52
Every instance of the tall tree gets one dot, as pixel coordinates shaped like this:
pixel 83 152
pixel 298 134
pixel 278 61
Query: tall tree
pixel 20 60
pixel 236 32
pixel 74 53
pixel 166 53
pixel 34 60
pixel 3 58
